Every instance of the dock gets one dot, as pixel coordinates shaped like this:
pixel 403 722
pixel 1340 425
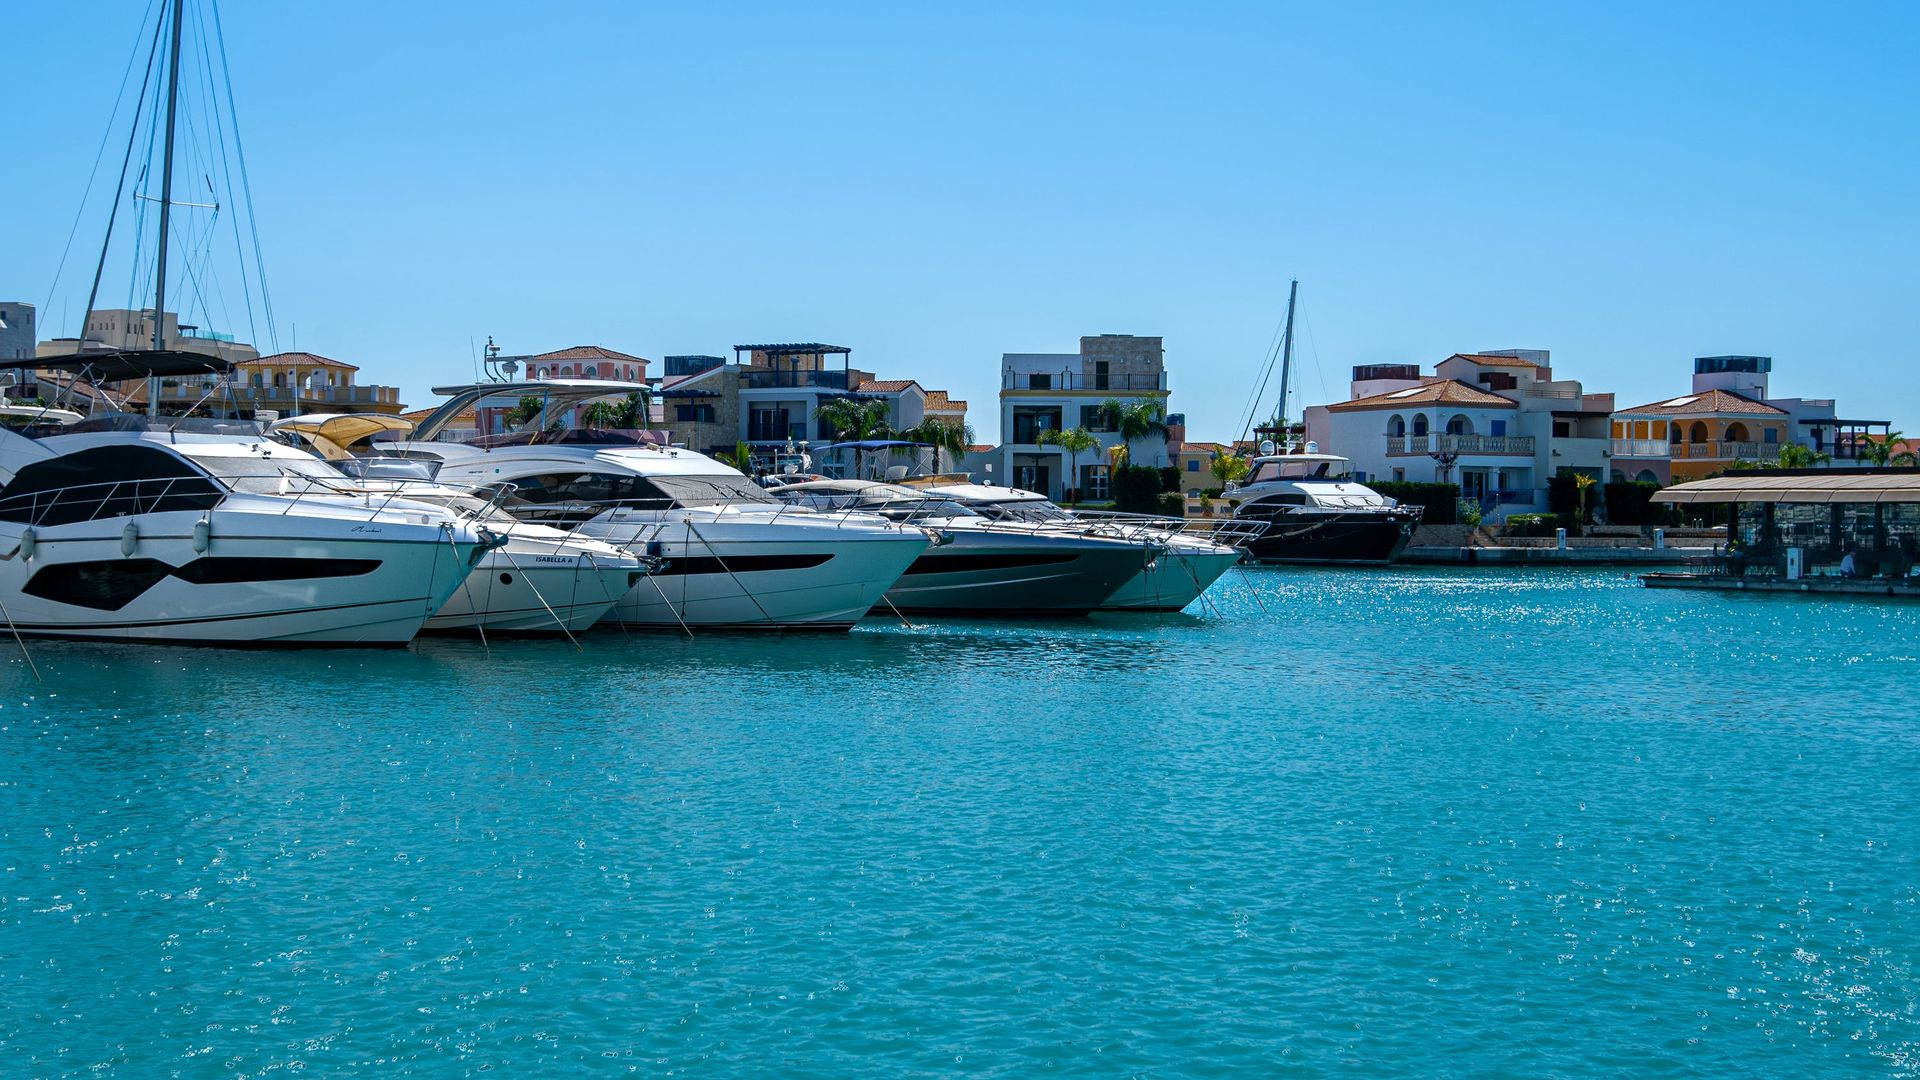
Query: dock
pixel 1832 586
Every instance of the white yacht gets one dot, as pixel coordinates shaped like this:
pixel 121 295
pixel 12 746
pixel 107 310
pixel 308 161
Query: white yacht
pixel 984 566
pixel 109 529
pixel 541 580
pixel 1193 554
pixel 1316 513
pixel 731 555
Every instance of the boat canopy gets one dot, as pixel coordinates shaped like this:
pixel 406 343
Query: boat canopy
pixel 556 395
pixel 869 444
pixel 334 434
pixel 1800 486
pixel 120 365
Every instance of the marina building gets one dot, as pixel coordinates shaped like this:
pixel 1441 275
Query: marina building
pixel 1498 423
pixel 768 396
pixel 16 330
pixel 1729 416
pixel 1041 392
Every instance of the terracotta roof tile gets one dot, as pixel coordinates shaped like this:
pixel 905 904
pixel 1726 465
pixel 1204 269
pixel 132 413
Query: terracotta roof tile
pixel 885 386
pixel 296 359
pixel 1493 361
pixel 938 401
pixel 1711 401
pixel 1435 392
pixel 589 352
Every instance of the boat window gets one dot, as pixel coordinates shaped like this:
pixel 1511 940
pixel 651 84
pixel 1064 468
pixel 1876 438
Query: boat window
pixel 231 570
pixel 639 492
pixel 103 584
pixel 105 481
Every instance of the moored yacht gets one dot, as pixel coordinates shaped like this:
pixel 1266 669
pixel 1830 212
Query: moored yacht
pixel 1192 554
pixel 109 530
pixel 540 580
pixel 731 555
pixel 984 566
pixel 1316 513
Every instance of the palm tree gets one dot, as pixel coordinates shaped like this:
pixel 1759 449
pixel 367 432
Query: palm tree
pixel 942 435
pixel 524 412
pixel 856 420
pixel 1075 441
pixel 1795 456
pixel 1229 468
pixel 1881 451
pixel 626 414
pixel 741 458
pixel 1581 483
pixel 1135 421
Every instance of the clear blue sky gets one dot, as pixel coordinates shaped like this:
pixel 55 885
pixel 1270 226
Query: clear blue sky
pixel 1627 185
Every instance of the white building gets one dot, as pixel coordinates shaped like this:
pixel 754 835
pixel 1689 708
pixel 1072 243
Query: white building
pixel 1050 391
pixel 16 330
pixel 1497 423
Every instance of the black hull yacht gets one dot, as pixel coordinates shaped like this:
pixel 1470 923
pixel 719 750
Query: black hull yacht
pixel 1314 514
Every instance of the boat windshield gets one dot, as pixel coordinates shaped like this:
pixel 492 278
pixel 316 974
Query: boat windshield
pixel 600 489
pixel 1308 469
pixel 273 475
pixel 1038 510
pixel 185 425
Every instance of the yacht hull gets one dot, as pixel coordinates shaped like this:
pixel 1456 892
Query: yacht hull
pixel 529 592
pixel 1172 581
pixel 1001 573
pixel 730 571
pixel 1358 538
pixel 264 579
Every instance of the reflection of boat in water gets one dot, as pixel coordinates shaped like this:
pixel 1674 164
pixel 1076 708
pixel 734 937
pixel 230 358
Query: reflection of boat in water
pixel 982 565
pixel 1315 513
pixel 1191 554
pixel 730 553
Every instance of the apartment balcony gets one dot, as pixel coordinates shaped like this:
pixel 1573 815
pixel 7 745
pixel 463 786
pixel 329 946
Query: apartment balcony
pixel 1715 450
pixel 782 380
pixel 279 397
pixel 1417 445
pixel 1076 382
pixel 1641 448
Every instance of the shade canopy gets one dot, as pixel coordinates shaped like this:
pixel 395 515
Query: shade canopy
pixel 870 444
pixel 1875 486
pixel 118 365
pixel 334 434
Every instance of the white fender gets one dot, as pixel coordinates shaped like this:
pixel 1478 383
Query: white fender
pixel 203 534
pixel 129 538
pixel 29 540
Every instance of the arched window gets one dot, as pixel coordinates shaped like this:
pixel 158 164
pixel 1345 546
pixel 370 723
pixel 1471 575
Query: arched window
pixel 1646 477
pixel 1737 432
pixel 1460 425
pixel 1419 424
pixel 1397 426
pixel 1698 433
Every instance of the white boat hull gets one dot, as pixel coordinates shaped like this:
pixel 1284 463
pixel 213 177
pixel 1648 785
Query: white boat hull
pixel 518 591
pixel 267 579
pixel 730 570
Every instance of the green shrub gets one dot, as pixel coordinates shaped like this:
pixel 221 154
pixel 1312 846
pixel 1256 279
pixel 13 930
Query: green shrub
pixel 1442 501
pixel 1170 479
pixel 1543 524
pixel 1136 489
pixel 1563 495
pixel 1171 504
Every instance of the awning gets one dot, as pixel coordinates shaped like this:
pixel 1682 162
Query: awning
pixel 119 365
pixel 870 444
pixel 1763 486
pixel 333 434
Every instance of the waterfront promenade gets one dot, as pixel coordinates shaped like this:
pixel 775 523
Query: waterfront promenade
pixel 1399 822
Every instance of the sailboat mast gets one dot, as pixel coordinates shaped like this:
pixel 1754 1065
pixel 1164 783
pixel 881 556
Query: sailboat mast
pixel 1286 360
pixel 166 206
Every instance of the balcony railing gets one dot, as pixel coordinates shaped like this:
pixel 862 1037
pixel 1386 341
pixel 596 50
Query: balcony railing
pixel 780 380
pixel 1072 380
pixel 1519 445
pixel 1716 450
pixel 1539 390
pixel 1641 448
pixel 271 396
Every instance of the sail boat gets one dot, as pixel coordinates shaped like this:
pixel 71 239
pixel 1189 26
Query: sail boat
pixel 1313 510
pixel 128 527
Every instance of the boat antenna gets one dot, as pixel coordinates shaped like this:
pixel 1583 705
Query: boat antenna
pixel 166 204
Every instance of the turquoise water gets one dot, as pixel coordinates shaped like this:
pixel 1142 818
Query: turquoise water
pixel 1391 822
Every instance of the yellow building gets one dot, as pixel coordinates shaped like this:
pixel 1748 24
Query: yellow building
pixel 1695 436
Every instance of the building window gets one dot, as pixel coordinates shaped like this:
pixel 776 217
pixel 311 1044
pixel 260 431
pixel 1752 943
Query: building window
pixel 693 414
pixel 1397 426
pixel 1771 435
pixel 1193 464
pixel 1399 476
pixel 1039 382
pixel 1497 427
pixel 1094 418
pixel 1419 426
pixel 1459 425
pixel 1094 483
